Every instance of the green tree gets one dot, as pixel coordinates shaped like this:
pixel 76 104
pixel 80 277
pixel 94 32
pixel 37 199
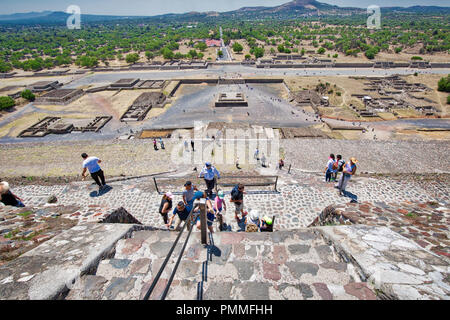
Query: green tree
pixel 444 84
pixel 5 67
pixel 150 55
pixel 448 99
pixel 132 58
pixel 220 53
pixel 258 52
pixel 193 54
pixel 167 53
pixel 201 46
pixel 321 50
pixel 6 102
pixel 281 48
pixel 27 94
pixel 237 47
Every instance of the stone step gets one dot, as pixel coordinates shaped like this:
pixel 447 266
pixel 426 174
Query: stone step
pixel 295 264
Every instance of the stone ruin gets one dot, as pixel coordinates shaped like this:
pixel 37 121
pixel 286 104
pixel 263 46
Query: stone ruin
pixel 231 99
pixel 310 98
pixel 60 96
pixel 387 93
pixel 142 105
pixel 57 125
pixel 45 86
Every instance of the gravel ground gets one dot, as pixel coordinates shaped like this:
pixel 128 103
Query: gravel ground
pixel 137 157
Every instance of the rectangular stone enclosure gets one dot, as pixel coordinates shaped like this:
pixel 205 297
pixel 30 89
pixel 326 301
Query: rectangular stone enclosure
pixel 142 105
pixel 60 97
pixel 231 99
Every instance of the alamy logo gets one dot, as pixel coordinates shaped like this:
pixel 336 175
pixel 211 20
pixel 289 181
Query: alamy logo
pixel 74 20
pixel 374 20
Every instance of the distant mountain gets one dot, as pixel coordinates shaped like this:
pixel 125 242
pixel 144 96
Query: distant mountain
pixel 293 9
pixel 55 17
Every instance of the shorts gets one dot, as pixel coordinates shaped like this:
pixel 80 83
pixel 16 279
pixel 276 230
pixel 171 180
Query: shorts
pixel 209 219
pixel 239 207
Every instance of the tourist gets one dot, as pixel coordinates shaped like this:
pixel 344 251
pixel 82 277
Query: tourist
pixel 237 164
pixel 209 173
pixel 92 164
pixel 252 221
pixel 186 146
pixel 161 142
pixel 281 164
pixel 8 198
pixel 166 206
pixel 263 160
pixel 192 145
pixel 348 171
pixel 340 166
pixel 219 205
pixel 180 213
pixel 256 155
pixel 154 145
pixel 329 168
pixel 237 197
pixel 188 193
pixel 266 224
pixel 210 217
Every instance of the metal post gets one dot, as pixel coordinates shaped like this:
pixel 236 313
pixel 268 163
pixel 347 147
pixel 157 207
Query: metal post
pixel 156 185
pixel 276 182
pixel 289 171
pixel 203 224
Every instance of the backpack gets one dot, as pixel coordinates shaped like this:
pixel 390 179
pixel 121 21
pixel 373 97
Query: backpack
pixel 341 165
pixel 234 192
pixel 335 165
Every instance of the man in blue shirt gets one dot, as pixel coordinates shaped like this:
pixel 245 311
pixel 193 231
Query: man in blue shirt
pixel 180 213
pixel 209 172
pixel 92 164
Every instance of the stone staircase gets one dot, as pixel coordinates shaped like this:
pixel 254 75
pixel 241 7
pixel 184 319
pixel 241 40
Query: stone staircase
pixel 295 265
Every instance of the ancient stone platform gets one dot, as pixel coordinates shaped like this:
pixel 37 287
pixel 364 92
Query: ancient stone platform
pixel 49 270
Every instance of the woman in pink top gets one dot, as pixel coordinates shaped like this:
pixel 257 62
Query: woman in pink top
pixel 219 205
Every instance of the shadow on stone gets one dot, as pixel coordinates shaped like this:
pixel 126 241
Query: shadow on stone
pixel 105 190
pixel 353 197
pixel 120 216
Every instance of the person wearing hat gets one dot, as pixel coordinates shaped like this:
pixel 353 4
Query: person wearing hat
pixel 252 222
pixel 188 194
pixel 166 206
pixel 209 173
pixel 348 172
pixel 180 213
pixel 91 164
pixel 7 198
pixel 266 224
pixel 219 205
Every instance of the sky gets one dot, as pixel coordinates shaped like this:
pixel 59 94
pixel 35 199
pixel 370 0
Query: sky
pixel 155 7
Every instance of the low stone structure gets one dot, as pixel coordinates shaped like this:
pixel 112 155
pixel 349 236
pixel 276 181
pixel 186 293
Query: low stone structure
pixel 45 86
pixel 231 99
pixel 57 125
pixel 124 83
pixel 60 97
pixel 142 105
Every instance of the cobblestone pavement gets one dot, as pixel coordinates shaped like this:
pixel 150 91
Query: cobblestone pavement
pixel 301 197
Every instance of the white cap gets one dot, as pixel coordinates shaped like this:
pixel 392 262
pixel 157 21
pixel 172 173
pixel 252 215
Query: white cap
pixel 5 186
pixel 254 214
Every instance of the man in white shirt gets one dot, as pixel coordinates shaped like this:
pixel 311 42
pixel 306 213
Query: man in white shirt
pixel 92 164
pixel 209 172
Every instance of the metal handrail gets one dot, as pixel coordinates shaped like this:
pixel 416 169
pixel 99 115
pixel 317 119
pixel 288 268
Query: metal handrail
pixel 166 290
pixel 158 275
